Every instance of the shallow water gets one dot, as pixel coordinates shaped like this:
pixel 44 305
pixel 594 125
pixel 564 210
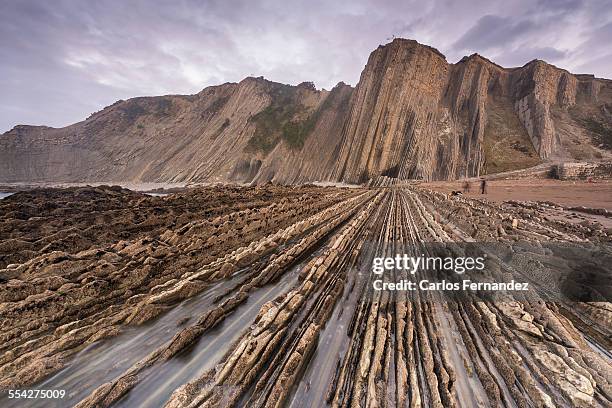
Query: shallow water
pixel 4 195
pixel 107 359
pixel 131 186
pixel 104 360
pixel 157 194
pixel 159 382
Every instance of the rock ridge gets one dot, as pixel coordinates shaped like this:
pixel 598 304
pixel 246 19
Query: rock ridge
pixel 412 115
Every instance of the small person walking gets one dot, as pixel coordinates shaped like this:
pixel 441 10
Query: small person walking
pixel 466 187
pixel 483 186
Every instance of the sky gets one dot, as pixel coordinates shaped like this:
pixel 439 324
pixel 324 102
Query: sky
pixel 61 60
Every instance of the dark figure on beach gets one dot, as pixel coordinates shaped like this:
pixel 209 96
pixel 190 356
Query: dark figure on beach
pixel 483 186
pixel 466 187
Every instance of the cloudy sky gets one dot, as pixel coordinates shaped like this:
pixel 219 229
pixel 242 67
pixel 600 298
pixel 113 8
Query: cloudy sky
pixel 61 60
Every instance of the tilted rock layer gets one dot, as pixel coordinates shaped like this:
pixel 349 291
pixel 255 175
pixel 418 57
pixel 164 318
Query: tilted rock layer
pixel 261 296
pixel 412 115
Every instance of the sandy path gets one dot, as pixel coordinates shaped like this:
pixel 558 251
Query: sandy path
pixel 566 193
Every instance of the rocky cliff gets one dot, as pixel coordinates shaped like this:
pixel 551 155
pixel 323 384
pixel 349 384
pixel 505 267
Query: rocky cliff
pixel 412 115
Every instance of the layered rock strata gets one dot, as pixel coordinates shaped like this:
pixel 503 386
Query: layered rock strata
pixel 411 115
pixel 292 321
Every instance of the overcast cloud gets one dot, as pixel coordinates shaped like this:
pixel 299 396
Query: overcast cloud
pixel 61 60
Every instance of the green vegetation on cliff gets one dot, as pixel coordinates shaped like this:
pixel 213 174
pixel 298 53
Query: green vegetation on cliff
pixel 506 144
pixel 601 132
pixel 282 120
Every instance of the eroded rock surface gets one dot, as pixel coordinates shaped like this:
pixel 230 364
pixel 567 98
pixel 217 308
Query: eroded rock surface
pixel 290 269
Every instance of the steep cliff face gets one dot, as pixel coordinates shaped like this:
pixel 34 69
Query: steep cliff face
pixel 565 115
pixel 412 115
pixel 316 159
pixel 220 134
pixel 394 114
pixel 538 87
pixel 143 139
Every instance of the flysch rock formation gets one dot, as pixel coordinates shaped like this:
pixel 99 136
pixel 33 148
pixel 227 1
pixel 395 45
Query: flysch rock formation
pixel 412 115
pixel 260 296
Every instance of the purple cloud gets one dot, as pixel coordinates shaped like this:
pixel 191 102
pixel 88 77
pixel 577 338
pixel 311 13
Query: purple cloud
pixel 62 60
